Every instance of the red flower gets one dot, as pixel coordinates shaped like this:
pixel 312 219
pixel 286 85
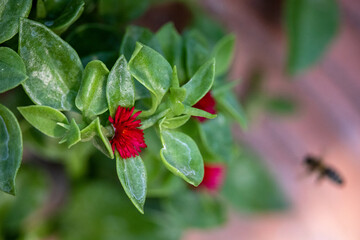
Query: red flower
pixel 213 177
pixel 128 138
pixel 207 103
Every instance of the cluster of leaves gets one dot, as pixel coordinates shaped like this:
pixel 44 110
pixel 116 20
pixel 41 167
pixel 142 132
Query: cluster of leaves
pixel 163 74
pixel 72 103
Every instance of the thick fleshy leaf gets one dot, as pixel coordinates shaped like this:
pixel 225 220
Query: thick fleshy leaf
pixel 172 47
pixel 217 137
pixel 45 119
pixel 198 113
pixel 255 187
pixel 175 122
pixel 153 71
pixel 12 69
pixel 132 175
pixel 53 67
pixel 69 14
pixel 196 52
pixel 11 148
pixel 94 131
pixel 311 25
pixel 229 104
pixel 120 89
pixel 223 53
pixel 181 156
pixel 72 135
pixel 10 13
pixel 91 98
pixel 200 83
pixel 135 34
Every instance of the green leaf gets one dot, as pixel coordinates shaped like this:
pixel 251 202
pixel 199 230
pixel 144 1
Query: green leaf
pixel 153 71
pixel 175 122
pixel 94 131
pixel 70 13
pixel 135 34
pixel 10 13
pixel 12 69
pixel 217 137
pixel 91 98
pixel 198 112
pixel 223 53
pixel 172 47
pixel 53 67
pixel 40 9
pixel 230 105
pixel 132 175
pixel 45 119
pixel 311 25
pixel 181 156
pixel 256 189
pixel 120 89
pixel 196 52
pixel 200 83
pixel 72 136
pixel 11 148
pixel 176 97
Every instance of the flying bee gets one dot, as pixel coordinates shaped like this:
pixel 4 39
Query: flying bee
pixel 315 164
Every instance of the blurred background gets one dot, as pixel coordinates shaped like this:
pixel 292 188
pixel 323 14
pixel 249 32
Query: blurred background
pixel 294 108
pixel 326 123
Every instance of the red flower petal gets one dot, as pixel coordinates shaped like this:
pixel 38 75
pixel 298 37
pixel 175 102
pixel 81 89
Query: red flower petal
pixel 128 138
pixel 207 103
pixel 213 177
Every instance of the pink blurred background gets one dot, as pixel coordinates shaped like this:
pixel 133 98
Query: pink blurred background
pixel 327 124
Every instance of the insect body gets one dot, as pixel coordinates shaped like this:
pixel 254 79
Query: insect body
pixel 315 164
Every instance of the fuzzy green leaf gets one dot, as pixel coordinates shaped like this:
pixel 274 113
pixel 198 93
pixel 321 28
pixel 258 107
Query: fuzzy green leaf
pixel 198 113
pixel 45 119
pixel 53 67
pixel 181 156
pixel 120 89
pixel 153 71
pixel 172 47
pixel 72 135
pixel 94 132
pixel 10 13
pixel 311 25
pixel 135 34
pixel 69 14
pixel 230 105
pixel 12 69
pixel 196 52
pixel 200 83
pixel 175 122
pixel 223 53
pixel 91 98
pixel 132 175
pixel 217 137
pixel 11 148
